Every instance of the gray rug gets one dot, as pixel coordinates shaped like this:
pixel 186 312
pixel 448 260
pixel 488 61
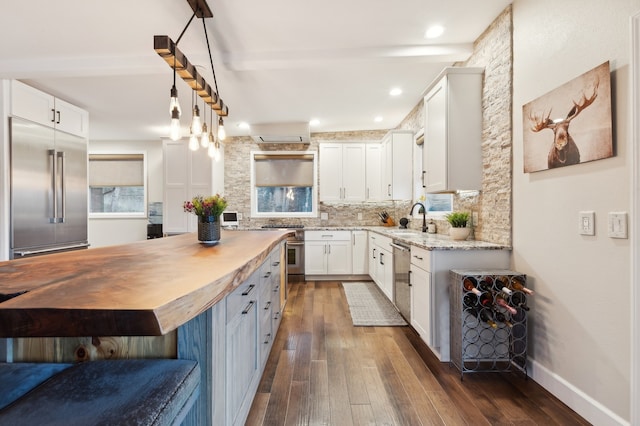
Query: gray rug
pixel 369 306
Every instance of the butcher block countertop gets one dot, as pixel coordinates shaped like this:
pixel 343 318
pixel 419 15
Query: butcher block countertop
pixel 148 288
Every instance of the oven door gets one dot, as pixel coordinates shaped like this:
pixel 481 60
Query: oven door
pixel 295 257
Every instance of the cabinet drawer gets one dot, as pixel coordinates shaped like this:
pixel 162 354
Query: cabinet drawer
pixel 384 242
pixel 421 258
pixel 242 297
pixel 327 235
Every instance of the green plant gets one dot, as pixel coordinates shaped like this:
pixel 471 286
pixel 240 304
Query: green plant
pixel 458 219
pixel 213 205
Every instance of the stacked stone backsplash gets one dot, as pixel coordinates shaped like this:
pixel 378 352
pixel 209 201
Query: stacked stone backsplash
pixel 493 51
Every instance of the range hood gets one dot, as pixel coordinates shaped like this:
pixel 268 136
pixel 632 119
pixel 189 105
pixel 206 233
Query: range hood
pixel 280 133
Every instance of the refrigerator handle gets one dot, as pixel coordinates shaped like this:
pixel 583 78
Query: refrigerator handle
pixel 63 187
pixel 54 173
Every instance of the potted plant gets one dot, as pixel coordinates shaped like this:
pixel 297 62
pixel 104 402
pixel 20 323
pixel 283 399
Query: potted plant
pixel 208 209
pixel 458 222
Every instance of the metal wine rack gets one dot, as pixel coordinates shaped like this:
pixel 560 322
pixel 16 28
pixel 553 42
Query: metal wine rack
pixel 476 345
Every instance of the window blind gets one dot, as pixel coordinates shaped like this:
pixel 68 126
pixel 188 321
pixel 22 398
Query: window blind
pixel 106 170
pixel 287 171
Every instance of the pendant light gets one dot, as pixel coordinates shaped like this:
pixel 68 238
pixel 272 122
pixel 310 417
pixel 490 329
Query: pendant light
pixel 174 108
pixel 196 124
pixel 193 142
pixel 222 134
pixel 211 147
pixel 174 128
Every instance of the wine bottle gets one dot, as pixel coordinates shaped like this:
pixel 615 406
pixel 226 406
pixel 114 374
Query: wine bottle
pixel 500 301
pixel 519 300
pixel 500 317
pixel 486 284
pixel 470 300
pixel 486 299
pixel 518 284
pixel 507 291
pixel 488 318
pixel 469 284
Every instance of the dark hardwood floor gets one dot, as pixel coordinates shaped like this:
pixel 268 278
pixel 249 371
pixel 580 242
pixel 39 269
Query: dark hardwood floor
pixel 324 371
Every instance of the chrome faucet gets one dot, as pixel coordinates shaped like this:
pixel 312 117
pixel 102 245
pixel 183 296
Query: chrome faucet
pixel 424 215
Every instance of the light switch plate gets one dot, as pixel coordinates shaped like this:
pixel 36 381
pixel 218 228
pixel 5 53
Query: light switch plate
pixel 617 225
pixel 324 216
pixel 587 223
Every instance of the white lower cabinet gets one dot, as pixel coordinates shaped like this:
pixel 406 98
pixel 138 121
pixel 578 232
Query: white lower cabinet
pixel 420 280
pixel 430 298
pixel 327 253
pixel 381 263
pixel 360 264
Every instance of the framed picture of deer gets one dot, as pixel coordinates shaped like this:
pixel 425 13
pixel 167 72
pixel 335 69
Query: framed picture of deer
pixel 571 124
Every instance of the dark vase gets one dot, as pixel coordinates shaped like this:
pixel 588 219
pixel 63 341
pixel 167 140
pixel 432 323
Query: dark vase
pixel 208 229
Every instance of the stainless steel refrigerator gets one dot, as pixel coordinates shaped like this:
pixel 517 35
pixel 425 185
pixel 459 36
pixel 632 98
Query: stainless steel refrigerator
pixel 48 190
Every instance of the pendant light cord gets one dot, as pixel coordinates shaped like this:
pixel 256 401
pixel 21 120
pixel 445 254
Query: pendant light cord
pixel 206 36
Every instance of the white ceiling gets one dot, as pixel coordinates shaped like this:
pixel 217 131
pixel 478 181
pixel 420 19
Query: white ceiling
pixel 275 61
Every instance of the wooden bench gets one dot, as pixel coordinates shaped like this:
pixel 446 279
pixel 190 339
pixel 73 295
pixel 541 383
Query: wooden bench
pixel 114 392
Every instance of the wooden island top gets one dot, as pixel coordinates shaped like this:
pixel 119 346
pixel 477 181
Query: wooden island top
pixel 147 288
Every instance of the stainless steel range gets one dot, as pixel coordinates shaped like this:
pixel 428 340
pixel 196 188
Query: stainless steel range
pixel 295 251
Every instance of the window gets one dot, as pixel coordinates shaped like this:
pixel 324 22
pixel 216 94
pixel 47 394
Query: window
pixel 283 184
pixel 117 185
pixel 439 203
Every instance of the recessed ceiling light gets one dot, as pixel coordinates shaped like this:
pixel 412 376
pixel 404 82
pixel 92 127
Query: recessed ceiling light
pixel 243 125
pixel 434 31
pixel 314 122
pixel 395 91
pixel 377 119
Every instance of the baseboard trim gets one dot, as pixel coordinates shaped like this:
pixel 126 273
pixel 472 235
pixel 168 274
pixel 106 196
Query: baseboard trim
pixel 590 409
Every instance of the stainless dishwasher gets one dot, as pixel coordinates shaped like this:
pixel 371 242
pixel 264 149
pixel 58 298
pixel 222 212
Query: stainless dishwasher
pixel 401 281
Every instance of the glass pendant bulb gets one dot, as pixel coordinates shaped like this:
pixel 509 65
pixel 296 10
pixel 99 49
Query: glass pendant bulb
pixel 193 142
pixel 211 151
pixel 174 128
pixel 204 137
pixel 217 152
pixel 222 134
pixel 196 124
pixel 174 103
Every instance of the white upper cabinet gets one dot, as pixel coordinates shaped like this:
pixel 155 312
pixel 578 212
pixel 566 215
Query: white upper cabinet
pixel 452 153
pixel 40 107
pixel 342 172
pixel 373 172
pixel 397 165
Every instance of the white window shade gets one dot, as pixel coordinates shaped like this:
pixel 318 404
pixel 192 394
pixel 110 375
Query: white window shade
pixel 111 170
pixel 277 171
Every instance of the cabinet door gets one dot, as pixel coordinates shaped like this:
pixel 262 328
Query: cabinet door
pixel 330 165
pixel 71 119
pixel 338 257
pixel 315 257
pixel 385 272
pixel 373 167
pixel 242 357
pixel 421 307
pixel 359 252
pixel 353 172
pixel 32 104
pixel 387 169
pixel 435 138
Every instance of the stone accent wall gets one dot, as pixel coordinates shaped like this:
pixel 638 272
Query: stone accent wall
pixel 493 51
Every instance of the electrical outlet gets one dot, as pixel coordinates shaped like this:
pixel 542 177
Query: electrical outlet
pixel 474 218
pixel 586 223
pixel 359 216
pixel 617 227
pixel 324 216
pixel 239 216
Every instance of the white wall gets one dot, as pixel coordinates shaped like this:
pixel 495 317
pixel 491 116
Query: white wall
pixel 103 232
pixel 581 319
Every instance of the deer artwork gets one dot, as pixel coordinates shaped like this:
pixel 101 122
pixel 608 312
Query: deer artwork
pixel 564 151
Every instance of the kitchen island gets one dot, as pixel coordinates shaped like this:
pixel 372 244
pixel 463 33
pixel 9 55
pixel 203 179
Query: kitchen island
pixel 164 298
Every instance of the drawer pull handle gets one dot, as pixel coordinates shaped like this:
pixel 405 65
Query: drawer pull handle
pixel 248 308
pixel 248 290
pixel 267 306
pixel 267 338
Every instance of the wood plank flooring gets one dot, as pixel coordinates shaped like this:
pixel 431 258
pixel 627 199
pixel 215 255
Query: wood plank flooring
pixel 324 371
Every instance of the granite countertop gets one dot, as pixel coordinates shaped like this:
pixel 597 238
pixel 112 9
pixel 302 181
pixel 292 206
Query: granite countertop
pixel 413 237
